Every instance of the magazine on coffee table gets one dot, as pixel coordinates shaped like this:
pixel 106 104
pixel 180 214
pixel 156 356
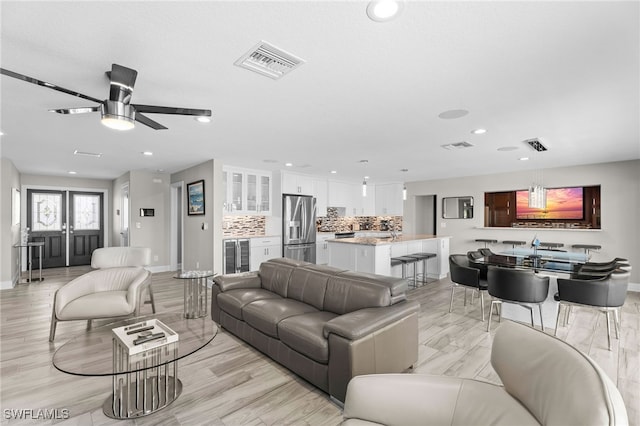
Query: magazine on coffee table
pixel 143 336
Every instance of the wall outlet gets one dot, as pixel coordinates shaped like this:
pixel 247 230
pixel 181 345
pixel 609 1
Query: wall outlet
pixel 197 265
pixel 138 225
pixel 155 258
pixel 443 224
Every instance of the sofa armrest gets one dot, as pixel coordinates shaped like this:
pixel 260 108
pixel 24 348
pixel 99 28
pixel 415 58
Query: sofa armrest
pixel 241 280
pixel 360 323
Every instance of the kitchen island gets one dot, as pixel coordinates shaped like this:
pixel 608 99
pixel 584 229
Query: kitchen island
pixel 373 254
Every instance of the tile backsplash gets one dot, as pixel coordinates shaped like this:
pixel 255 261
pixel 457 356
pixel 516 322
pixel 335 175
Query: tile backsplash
pixel 332 222
pixel 243 226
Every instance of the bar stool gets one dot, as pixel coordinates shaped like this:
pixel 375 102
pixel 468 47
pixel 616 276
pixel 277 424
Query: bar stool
pixel 422 257
pixel 486 241
pixel 514 243
pixel 550 246
pixel 404 261
pixel 586 248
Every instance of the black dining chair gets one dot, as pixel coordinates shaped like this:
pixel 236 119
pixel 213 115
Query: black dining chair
pixel 462 273
pixel 519 286
pixel 605 294
pixel 592 270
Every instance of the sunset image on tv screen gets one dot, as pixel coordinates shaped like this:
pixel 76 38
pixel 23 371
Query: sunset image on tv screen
pixel 562 203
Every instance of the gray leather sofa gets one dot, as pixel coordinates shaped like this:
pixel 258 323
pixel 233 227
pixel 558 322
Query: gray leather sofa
pixel 324 324
pixel 545 382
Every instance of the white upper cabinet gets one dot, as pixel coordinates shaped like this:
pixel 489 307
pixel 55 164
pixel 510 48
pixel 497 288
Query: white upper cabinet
pixel 294 183
pixel 389 199
pixel 321 192
pixel 247 191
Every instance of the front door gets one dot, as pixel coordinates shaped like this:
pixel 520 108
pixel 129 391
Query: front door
pixel 70 223
pixel 85 226
pixel 47 222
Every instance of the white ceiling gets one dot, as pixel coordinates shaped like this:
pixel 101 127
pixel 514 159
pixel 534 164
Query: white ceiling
pixel 565 72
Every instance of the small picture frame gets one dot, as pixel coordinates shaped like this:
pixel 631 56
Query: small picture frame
pixel 195 198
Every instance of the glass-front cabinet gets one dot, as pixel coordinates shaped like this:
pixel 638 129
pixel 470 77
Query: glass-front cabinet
pixel 246 191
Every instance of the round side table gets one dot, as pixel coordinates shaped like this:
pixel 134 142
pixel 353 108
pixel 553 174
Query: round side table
pixel 195 292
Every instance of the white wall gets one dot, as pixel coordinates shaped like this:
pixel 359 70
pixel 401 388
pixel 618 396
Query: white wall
pixel 150 191
pixel 620 206
pixel 203 247
pixel 9 178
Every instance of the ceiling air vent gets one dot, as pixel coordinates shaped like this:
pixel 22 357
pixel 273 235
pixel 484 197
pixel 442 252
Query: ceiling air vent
pixel 536 145
pixel 266 59
pixel 457 145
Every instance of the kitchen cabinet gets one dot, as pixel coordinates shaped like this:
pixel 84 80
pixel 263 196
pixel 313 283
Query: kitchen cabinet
pixel 320 191
pixel 388 200
pixel 322 248
pixel 298 184
pixel 345 194
pixel 263 249
pixel 246 192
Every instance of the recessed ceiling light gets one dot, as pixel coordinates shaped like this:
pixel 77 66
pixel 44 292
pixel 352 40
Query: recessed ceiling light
pixel 147 153
pixel 479 131
pixel 288 164
pixel 507 148
pixel 1 133
pixel 383 10
pixel 363 161
pixel 453 113
pixel 366 177
pixel 333 172
pixel 270 161
pixel 523 158
pixel 71 172
pixel 404 170
pixel 203 119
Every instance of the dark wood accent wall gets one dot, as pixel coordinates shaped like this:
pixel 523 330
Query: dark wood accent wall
pixel 500 211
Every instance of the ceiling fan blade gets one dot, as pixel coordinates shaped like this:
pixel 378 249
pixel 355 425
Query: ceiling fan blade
pixel 149 122
pixel 153 109
pixel 45 84
pixel 80 110
pixel 122 81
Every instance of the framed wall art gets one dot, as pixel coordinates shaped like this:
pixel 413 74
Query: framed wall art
pixel 195 198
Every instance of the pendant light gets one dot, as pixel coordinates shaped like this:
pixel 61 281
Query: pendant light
pixel 364 187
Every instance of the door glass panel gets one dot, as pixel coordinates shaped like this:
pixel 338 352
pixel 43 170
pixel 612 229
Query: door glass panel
pixel 46 212
pixel 252 193
pixel 86 212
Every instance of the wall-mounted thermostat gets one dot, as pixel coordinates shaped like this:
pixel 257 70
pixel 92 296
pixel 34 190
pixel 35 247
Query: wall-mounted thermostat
pixel 147 212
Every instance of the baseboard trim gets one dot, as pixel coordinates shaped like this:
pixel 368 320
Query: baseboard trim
pixel 160 268
pixel 7 285
pixel 634 287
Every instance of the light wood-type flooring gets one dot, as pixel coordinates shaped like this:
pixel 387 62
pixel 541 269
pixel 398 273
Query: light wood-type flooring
pixel 229 383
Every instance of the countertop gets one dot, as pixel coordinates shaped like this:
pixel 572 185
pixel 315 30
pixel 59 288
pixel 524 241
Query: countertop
pixel 376 241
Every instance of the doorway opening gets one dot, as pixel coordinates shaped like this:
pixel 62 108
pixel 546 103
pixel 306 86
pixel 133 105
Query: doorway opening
pixel 426 215
pixel 177 222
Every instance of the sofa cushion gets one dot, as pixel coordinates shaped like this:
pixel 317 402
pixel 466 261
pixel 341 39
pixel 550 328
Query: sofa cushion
pixel 233 301
pixel 264 315
pixel 347 294
pixel 309 284
pixel 275 274
pixel 303 333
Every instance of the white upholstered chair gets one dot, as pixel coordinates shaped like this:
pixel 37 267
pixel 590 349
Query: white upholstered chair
pixel 115 289
pixel 545 382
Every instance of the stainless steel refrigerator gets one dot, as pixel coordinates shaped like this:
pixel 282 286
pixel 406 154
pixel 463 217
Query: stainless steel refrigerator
pixel 299 227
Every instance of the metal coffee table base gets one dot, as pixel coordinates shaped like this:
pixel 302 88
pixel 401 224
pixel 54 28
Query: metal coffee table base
pixel 142 397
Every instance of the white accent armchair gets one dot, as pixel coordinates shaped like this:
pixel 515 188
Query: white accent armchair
pixel 546 381
pixel 113 290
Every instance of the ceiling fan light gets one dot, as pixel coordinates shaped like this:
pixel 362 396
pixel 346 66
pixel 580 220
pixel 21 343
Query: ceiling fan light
pixel 117 115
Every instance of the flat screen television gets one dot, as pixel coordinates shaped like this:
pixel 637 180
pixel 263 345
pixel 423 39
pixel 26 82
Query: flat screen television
pixel 562 203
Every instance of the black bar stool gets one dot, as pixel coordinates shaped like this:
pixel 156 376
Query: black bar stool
pixel 422 257
pixel 514 243
pixel 586 248
pixel 486 241
pixel 404 261
pixel 551 246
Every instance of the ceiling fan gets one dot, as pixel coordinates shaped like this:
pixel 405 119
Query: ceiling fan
pixel 116 112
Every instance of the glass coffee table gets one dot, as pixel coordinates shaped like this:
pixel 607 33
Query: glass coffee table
pixel 143 383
